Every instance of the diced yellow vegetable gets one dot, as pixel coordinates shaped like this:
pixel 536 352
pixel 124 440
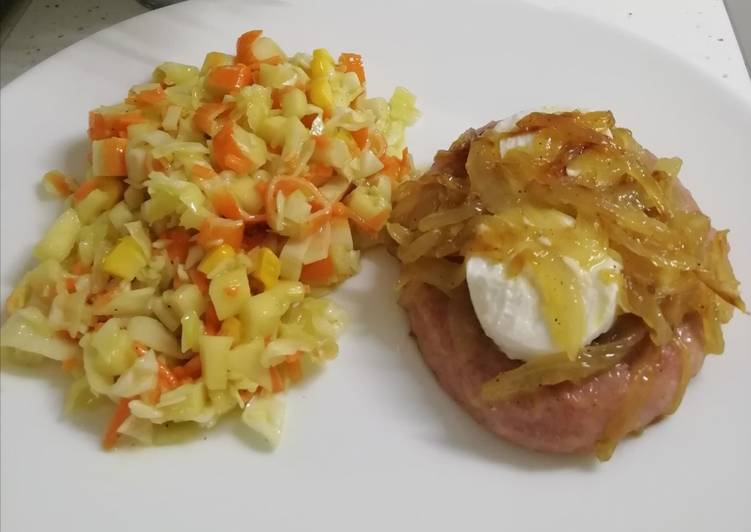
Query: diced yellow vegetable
pixel 186 299
pixel 322 64
pixel 192 332
pixel 245 360
pixel 125 259
pixel 229 292
pixel 59 239
pixel 267 269
pixel 215 257
pixel 321 93
pixel 233 328
pixel 214 351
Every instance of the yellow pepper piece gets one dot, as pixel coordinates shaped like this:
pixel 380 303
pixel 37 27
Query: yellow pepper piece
pixel 268 269
pixel 125 259
pixel 321 93
pixel 215 257
pixel 322 64
pixel 233 328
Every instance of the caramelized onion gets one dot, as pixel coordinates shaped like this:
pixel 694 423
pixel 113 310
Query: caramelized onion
pixel 622 197
pixel 554 369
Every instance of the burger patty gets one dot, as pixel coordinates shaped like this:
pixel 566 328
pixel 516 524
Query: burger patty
pixel 564 418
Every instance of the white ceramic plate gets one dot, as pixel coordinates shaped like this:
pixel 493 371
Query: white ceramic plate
pixel 373 443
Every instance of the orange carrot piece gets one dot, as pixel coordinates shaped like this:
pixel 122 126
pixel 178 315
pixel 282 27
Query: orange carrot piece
pixel 361 137
pixel 245 47
pixel 293 367
pixel 277 383
pixel 353 63
pixel 59 182
pixel 202 172
pixel 83 190
pixel 149 97
pixel 227 153
pixel 178 243
pixel 121 414
pixel 205 118
pixel 200 280
pixel 192 368
pixel 211 322
pixel 70 284
pixel 167 379
pixel 79 268
pixel 214 229
pixel 392 166
pixel 229 78
pixel 319 272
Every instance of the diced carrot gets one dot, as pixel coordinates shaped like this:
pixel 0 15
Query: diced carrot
pixel 69 364
pixel 319 173
pixel 229 78
pixel 152 396
pixel 211 322
pixel 215 229
pixel 392 166
pixel 245 47
pixel 200 280
pixel 227 153
pixel 167 379
pixel 319 272
pixel 191 369
pixel 307 120
pixel 322 141
pixel 262 187
pixel 83 190
pixel 102 126
pixel 293 369
pixel 79 268
pixel 121 414
pixel 59 182
pixel 108 157
pixel 202 171
pixel 70 284
pixel 277 383
pixel 361 137
pixel 149 97
pixel 353 63
pixel 205 118
pixel 225 204
pixel 178 243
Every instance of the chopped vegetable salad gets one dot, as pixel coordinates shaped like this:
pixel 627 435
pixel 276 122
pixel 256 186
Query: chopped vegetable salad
pixel 181 281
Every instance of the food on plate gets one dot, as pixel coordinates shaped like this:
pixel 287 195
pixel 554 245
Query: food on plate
pixel 561 283
pixel 183 279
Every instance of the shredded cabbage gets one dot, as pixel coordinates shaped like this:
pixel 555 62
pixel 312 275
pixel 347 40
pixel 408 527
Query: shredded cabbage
pixel 177 280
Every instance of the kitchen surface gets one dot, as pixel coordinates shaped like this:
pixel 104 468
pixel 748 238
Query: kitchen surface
pixel 699 31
